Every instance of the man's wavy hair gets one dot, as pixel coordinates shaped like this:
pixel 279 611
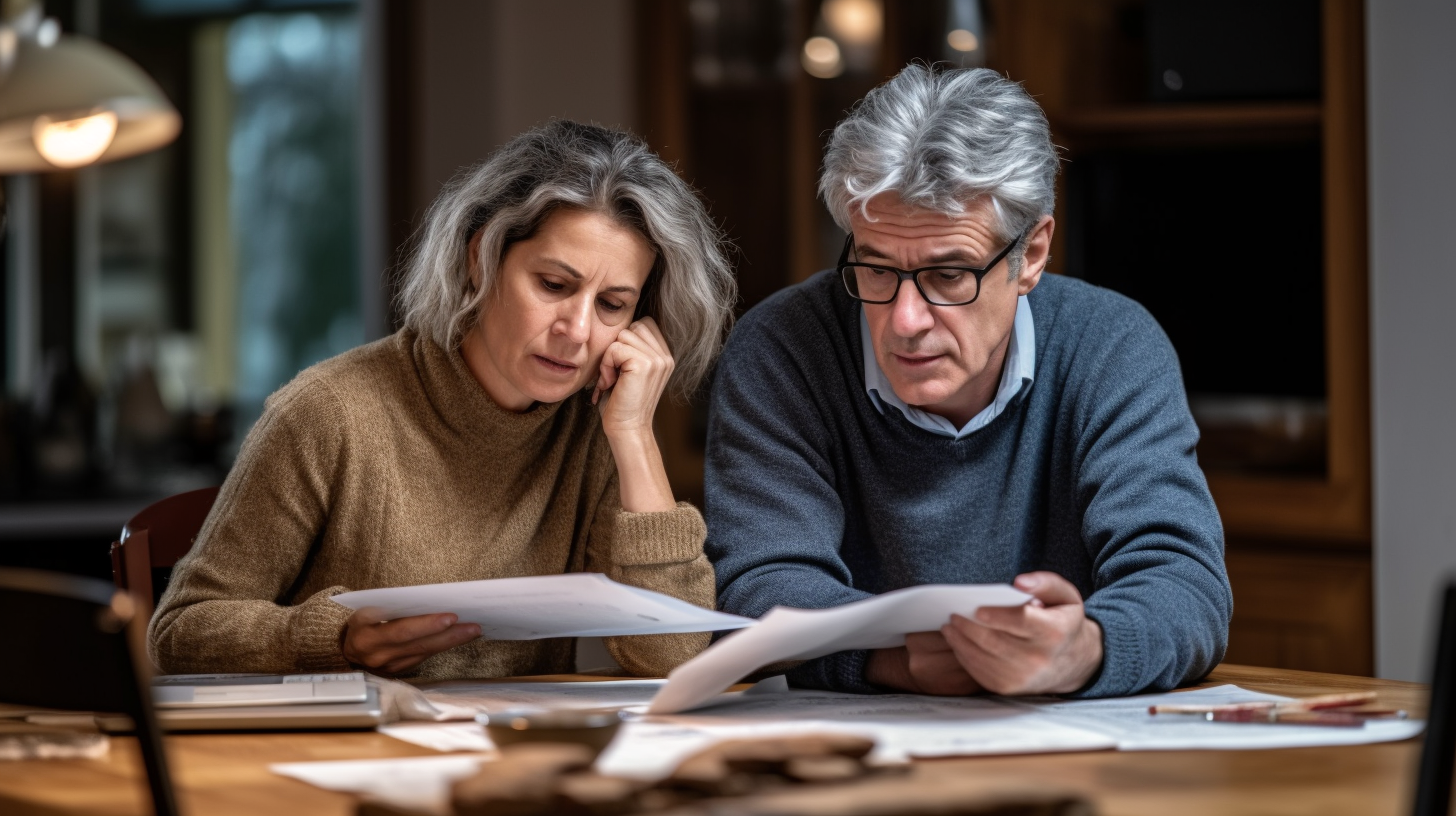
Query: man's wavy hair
pixel 690 291
pixel 940 139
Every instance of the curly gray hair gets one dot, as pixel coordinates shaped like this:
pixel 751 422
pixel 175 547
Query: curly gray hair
pixel 940 139
pixel 690 291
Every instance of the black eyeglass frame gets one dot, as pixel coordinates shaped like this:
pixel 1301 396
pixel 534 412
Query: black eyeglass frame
pixel 914 274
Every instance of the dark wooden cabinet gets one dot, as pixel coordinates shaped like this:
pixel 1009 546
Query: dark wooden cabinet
pixel 1298 541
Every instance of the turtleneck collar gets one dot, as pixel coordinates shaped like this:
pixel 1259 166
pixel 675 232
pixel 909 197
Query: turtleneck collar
pixel 463 405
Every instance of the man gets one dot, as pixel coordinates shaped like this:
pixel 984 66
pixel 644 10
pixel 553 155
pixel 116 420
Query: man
pixel 936 410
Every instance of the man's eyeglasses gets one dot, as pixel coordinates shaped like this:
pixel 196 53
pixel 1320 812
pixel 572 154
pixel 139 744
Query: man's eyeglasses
pixel 939 285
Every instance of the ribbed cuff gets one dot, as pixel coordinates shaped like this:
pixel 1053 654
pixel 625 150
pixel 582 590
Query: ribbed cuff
pixel 318 628
pixel 1124 645
pixel 671 537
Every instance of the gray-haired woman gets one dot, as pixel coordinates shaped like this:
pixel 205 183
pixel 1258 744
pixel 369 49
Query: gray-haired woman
pixel 557 290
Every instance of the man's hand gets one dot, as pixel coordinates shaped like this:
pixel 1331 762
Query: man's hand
pixel 1048 646
pixel 396 646
pixel 924 665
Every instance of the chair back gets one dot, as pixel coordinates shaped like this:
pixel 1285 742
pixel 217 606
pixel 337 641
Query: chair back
pixel 155 540
pixel 77 643
pixel 1438 754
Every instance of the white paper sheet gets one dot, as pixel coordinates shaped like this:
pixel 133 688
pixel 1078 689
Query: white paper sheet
pixel 578 604
pixel 1127 720
pixel 644 750
pixel 442 736
pixel 902 725
pixel 419 783
pixel 476 696
pixel 800 634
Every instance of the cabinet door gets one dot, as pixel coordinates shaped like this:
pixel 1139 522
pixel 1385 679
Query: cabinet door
pixel 1301 610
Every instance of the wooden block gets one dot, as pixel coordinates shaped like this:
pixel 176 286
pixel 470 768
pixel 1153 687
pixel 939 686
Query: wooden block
pixel 597 795
pixel 823 769
pixel 23 740
pixel 523 782
pixel 892 796
pixel 737 767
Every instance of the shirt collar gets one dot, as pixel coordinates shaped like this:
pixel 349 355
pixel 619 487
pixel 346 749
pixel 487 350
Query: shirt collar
pixel 1018 372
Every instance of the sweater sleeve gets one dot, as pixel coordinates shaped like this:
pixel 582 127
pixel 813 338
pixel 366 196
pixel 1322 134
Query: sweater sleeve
pixel 775 518
pixel 223 610
pixel 662 552
pixel 1161 591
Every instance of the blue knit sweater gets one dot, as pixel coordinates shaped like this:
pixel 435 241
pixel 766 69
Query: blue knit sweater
pixel 816 499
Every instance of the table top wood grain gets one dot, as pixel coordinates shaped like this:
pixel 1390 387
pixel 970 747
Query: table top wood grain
pixel 227 774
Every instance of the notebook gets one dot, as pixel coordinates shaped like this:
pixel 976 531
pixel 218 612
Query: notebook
pixel 229 702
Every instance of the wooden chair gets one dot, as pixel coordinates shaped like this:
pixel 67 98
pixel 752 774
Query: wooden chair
pixel 1438 754
pixel 76 643
pixel 155 539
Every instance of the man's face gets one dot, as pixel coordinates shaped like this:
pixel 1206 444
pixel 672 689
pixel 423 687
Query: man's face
pixel 944 359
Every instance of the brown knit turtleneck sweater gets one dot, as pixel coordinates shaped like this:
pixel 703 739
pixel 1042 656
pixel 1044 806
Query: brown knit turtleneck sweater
pixel 390 466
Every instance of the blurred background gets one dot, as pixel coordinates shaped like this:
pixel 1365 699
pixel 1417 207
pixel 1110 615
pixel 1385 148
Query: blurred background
pixel 1230 165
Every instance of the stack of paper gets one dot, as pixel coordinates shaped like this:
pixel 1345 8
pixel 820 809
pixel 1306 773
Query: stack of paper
pixel 800 634
pixel 577 604
pixel 227 702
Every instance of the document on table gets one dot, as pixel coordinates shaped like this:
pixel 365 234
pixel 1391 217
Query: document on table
pixel 800 634
pixel 649 747
pixel 577 604
pixel 902 725
pixel 1127 720
pixel 412 783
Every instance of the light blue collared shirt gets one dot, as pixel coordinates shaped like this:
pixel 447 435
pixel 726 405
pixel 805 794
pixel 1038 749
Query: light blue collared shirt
pixel 1018 373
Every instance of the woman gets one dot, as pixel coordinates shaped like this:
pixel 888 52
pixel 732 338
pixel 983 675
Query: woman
pixel 557 290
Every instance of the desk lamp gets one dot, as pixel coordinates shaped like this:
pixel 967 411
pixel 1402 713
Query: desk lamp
pixel 69 101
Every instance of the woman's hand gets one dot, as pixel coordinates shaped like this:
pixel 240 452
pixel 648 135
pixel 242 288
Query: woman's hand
pixel 396 646
pixel 630 381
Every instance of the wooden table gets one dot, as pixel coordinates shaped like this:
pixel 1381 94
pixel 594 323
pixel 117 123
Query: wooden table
pixel 227 774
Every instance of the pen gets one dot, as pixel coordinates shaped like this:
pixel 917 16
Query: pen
pixel 1348 719
pixel 1324 701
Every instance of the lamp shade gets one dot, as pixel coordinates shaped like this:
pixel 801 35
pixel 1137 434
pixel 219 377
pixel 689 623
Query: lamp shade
pixel 84 102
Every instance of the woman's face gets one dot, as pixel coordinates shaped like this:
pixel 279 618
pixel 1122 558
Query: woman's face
pixel 560 298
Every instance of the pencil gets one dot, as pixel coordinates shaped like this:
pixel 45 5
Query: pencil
pixel 1338 719
pixel 1324 701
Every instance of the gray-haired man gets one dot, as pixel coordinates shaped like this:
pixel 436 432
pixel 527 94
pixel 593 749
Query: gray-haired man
pixel 935 410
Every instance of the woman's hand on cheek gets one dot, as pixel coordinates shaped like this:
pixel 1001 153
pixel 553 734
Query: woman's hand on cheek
pixel 633 374
pixel 632 377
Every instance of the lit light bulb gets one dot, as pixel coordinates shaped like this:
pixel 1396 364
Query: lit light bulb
pixel 962 40
pixel 857 22
pixel 821 58
pixel 74 142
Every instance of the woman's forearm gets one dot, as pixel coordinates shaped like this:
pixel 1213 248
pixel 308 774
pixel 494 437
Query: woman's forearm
pixel 641 476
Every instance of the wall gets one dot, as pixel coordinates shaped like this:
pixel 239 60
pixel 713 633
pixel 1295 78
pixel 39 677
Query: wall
pixel 488 70
pixel 1412 114
pixel 445 82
